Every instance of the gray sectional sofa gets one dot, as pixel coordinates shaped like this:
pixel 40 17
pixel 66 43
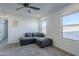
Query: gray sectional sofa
pixel 38 38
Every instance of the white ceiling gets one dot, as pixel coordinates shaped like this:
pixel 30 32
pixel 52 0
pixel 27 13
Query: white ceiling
pixel 44 8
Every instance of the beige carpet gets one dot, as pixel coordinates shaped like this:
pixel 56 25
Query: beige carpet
pixel 30 50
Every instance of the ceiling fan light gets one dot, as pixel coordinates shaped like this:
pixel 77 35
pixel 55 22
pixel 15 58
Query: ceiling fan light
pixel 29 10
pixel 38 15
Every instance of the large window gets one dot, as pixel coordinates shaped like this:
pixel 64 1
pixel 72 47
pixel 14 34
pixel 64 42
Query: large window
pixel 44 25
pixel 71 26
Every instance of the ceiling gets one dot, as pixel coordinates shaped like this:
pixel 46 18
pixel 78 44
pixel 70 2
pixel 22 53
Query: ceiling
pixel 44 8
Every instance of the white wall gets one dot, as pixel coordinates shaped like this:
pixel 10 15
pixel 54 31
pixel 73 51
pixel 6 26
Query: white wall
pixel 54 30
pixel 24 24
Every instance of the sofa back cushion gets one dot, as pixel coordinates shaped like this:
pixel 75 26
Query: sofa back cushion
pixel 28 34
pixel 41 35
pixel 38 35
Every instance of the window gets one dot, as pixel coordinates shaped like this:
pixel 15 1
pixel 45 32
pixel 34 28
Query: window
pixel 3 29
pixel 44 25
pixel 71 26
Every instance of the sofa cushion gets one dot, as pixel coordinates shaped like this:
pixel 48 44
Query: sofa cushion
pixel 43 42
pixel 26 40
pixel 28 34
pixel 35 34
pixel 38 35
pixel 41 35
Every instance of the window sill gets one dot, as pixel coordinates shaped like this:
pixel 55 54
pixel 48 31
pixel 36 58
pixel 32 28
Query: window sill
pixel 70 39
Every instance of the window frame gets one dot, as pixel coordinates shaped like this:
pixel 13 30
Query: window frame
pixel 46 26
pixel 61 24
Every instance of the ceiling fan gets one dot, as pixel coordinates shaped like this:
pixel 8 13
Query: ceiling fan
pixel 28 7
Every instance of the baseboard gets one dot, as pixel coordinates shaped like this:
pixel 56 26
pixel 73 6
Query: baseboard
pixel 64 51
pixel 14 43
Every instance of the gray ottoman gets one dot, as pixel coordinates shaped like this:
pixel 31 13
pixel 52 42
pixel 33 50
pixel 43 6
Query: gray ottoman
pixel 43 42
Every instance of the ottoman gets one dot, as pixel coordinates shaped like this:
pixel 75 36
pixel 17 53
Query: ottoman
pixel 26 40
pixel 43 42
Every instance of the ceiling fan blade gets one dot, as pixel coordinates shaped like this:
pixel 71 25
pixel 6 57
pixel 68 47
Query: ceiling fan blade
pixel 19 8
pixel 35 8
